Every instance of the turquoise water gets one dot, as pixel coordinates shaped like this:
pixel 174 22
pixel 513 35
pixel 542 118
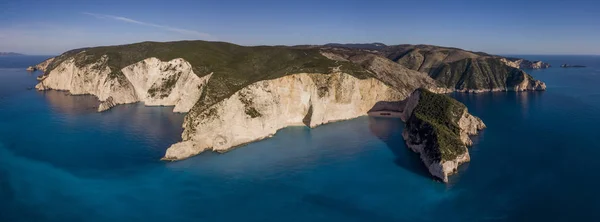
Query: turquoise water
pixel 62 161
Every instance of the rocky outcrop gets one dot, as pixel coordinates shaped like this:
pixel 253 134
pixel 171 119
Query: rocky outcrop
pixel 529 84
pixel 524 64
pixel 260 109
pixel 537 65
pixel 438 128
pixel 106 104
pixel 151 81
pixel 43 66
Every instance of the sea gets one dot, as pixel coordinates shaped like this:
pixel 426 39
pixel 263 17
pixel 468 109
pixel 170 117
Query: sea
pixel 538 160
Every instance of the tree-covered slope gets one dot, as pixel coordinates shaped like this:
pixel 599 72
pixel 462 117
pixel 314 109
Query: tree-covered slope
pixel 461 69
pixel 435 119
pixel 438 128
pixel 457 68
pixel 478 74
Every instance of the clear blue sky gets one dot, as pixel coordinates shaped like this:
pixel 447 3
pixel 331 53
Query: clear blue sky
pixel 501 27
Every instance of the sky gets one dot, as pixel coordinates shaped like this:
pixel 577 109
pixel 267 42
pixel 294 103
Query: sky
pixel 499 27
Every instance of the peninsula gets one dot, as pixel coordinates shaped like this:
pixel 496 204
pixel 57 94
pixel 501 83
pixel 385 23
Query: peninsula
pixel 235 94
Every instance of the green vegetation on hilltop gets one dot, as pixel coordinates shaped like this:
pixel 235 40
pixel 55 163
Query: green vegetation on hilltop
pixel 457 68
pixel 435 118
pixel 480 73
pixel 233 66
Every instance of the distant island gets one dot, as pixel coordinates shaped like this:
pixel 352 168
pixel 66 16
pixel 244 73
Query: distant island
pixel 10 54
pixel 571 66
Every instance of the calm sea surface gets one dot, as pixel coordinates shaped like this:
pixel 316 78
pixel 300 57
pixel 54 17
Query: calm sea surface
pixel 62 161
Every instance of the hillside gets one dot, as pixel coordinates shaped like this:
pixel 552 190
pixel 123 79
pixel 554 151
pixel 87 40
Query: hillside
pixel 461 69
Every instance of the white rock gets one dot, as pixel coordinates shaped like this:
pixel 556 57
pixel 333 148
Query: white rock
pixel 260 109
pixel 151 81
pixel 170 83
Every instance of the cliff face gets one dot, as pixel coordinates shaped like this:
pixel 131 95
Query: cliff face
pixel 524 64
pixel 151 81
pixel 260 109
pixel 250 93
pixel 438 128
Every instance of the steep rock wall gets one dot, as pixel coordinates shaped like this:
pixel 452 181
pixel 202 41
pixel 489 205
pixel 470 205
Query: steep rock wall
pixel 260 109
pixel 151 81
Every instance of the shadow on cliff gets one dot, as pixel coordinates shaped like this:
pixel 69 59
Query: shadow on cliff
pixel 389 130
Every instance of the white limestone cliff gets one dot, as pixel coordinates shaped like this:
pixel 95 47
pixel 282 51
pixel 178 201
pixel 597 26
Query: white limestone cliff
pixel 260 109
pixel 469 126
pixel 172 83
pixel 530 85
pixel 525 64
pixel 151 81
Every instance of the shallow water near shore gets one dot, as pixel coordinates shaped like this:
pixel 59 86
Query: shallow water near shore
pixel 62 161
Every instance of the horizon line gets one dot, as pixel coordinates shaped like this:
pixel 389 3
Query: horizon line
pixel 291 45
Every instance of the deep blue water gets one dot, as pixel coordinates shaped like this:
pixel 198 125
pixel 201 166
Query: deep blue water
pixel 62 161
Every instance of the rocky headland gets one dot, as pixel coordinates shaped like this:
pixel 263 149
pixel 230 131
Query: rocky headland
pixel 234 94
pixel 438 128
pixel 525 64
